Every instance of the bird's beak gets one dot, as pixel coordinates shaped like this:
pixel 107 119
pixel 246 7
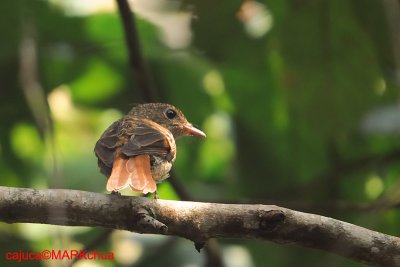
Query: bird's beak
pixel 190 130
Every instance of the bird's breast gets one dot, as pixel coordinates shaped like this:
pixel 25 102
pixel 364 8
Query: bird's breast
pixel 160 168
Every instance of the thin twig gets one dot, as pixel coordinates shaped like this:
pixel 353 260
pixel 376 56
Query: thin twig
pixel 137 63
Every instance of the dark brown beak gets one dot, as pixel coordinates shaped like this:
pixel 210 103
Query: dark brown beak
pixel 190 130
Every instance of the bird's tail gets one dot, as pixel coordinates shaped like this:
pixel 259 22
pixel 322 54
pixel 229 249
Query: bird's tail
pixel 133 172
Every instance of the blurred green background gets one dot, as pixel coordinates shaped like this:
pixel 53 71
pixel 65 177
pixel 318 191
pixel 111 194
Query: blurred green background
pixel 299 99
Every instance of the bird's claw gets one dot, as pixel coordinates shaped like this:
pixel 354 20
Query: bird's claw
pixel 116 193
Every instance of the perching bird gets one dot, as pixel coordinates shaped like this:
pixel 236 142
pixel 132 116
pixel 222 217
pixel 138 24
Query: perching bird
pixel 138 150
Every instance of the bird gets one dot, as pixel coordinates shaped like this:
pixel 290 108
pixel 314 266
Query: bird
pixel 138 150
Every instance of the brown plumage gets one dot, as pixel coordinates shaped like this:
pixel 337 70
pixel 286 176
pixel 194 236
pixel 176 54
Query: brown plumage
pixel 138 150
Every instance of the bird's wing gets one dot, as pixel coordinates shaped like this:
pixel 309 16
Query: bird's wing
pixel 105 148
pixel 146 137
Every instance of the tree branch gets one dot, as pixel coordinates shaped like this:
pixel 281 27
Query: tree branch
pixel 198 221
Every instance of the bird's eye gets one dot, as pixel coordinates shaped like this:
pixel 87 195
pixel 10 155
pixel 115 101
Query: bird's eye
pixel 170 114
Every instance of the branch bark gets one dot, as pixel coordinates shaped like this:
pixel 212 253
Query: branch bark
pixel 198 221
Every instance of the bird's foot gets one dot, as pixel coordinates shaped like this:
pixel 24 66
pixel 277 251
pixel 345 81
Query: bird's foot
pixel 155 195
pixel 116 193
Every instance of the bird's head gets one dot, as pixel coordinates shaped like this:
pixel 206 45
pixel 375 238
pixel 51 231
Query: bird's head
pixel 167 116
